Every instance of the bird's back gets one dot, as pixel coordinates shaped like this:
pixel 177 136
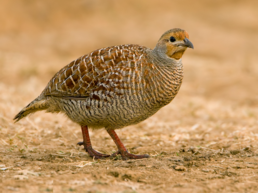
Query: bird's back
pixel 100 75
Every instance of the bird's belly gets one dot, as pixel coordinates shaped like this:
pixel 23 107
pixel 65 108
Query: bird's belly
pixel 111 115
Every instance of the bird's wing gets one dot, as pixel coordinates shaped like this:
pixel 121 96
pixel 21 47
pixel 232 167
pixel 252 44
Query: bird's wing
pixel 110 72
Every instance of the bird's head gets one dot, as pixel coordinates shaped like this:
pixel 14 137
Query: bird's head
pixel 173 43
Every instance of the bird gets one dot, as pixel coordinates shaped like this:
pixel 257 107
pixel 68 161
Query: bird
pixel 115 87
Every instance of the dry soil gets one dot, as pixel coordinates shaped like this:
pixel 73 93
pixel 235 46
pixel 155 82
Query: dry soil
pixel 204 141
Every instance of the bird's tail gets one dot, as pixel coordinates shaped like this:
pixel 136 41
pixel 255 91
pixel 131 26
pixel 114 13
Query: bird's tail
pixel 36 105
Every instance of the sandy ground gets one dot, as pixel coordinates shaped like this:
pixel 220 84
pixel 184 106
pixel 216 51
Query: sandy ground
pixel 204 141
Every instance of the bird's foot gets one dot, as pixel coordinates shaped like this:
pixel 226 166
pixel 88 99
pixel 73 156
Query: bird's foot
pixel 126 155
pixel 93 153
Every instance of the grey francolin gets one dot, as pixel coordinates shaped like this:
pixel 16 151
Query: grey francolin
pixel 115 87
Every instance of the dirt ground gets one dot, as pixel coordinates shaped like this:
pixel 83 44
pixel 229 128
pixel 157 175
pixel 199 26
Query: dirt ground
pixel 206 140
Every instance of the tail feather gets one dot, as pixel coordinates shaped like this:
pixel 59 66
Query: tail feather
pixel 36 105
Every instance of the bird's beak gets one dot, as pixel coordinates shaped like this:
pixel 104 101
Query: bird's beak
pixel 188 43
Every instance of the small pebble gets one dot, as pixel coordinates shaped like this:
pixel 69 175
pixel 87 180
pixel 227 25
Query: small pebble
pixel 234 152
pixel 180 168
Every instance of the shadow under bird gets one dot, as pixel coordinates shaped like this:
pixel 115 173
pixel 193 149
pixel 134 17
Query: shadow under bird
pixel 115 87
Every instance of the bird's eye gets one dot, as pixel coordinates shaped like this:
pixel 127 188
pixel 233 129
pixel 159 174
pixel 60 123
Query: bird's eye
pixel 172 39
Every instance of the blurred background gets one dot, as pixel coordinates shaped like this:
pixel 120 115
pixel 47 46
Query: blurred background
pixel 37 38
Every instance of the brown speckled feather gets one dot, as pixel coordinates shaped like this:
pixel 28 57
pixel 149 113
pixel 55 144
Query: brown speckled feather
pixel 101 74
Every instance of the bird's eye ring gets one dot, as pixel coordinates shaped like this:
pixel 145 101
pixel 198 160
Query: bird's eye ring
pixel 172 39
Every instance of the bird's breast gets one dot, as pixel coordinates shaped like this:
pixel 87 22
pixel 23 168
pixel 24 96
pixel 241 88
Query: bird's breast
pixel 163 83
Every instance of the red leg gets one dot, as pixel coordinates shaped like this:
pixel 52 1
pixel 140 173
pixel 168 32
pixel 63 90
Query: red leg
pixel 121 148
pixel 87 145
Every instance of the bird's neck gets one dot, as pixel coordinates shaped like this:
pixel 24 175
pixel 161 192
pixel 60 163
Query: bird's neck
pixel 159 58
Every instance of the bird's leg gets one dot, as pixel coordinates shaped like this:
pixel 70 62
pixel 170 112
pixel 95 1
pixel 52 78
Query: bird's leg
pixel 87 145
pixel 121 148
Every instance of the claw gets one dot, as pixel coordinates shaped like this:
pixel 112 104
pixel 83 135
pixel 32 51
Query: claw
pixel 87 145
pixel 92 152
pixel 95 154
pixel 80 143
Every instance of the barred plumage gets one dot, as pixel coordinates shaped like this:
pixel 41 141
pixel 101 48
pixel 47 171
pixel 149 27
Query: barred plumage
pixel 116 86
